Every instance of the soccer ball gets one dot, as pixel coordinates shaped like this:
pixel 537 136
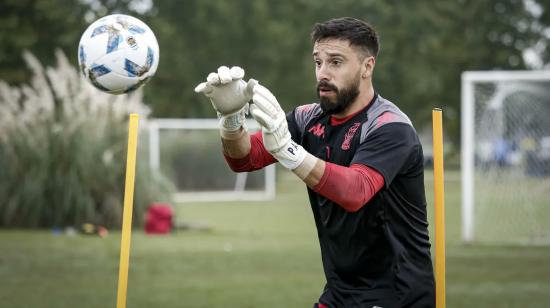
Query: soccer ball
pixel 118 53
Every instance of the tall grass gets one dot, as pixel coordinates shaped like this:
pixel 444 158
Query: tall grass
pixel 63 150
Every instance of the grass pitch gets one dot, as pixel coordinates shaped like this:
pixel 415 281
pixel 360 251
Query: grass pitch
pixel 256 255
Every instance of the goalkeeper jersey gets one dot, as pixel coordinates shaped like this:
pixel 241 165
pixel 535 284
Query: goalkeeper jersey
pixel 378 256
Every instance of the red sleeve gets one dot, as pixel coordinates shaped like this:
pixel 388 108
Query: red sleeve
pixel 258 157
pixel 351 187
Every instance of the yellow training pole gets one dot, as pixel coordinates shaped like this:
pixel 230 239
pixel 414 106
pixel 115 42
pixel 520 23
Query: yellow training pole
pixel 127 214
pixel 439 204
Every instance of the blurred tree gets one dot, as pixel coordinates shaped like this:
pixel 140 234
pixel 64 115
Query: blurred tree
pixel 40 26
pixel 542 8
pixel 429 44
pixel 269 39
pixel 426 45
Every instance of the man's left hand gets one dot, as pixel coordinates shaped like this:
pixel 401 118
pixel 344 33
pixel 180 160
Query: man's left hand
pixel 276 136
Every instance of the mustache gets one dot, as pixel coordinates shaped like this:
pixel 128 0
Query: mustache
pixel 327 85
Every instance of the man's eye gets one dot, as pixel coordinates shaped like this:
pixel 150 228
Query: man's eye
pixel 317 63
pixel 336 62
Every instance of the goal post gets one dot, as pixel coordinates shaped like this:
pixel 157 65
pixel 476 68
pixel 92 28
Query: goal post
pixel 188 151
pixel 505 160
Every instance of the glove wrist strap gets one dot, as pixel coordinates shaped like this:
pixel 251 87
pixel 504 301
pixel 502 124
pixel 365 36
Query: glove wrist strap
pixel 305 168
pixel 291 155
pixel 231 124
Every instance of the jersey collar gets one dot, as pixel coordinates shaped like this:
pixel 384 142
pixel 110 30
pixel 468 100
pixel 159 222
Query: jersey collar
pixel 338 121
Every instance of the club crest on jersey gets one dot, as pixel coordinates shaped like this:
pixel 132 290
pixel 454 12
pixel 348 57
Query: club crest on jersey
pixel 318 130
pixel 349 135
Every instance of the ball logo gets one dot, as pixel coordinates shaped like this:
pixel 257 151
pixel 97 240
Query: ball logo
pixel 131 41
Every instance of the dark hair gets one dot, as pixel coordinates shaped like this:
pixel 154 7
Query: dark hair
pixel 357 32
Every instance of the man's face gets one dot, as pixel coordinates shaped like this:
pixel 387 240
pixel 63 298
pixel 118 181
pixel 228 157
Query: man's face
pixel 338 73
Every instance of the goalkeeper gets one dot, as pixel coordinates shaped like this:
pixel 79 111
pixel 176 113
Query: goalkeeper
pixel 360 158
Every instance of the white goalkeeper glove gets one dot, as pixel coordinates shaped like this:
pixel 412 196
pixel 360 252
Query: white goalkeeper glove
pixel 229 95
pixel 277 140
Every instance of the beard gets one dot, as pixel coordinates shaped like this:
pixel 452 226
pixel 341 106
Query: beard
pixel 344 97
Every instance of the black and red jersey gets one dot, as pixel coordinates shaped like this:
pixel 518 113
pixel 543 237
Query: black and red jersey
pixel 380 254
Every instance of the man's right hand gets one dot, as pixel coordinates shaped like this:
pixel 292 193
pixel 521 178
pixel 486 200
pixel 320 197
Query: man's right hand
pixel 227 90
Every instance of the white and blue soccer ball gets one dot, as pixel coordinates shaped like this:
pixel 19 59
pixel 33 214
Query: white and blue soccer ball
pixel 118 53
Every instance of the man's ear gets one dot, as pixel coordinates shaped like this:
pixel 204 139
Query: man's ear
pixel 367 67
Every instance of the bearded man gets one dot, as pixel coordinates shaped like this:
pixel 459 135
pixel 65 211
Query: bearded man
pixel 361 160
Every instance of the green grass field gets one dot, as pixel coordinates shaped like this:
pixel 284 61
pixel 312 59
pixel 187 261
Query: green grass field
pixel 511 207
pixel 256 255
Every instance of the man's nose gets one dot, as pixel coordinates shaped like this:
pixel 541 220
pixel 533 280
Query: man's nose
pixel 323 73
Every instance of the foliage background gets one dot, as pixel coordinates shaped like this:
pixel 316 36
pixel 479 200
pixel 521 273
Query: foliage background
pixel 62 152
pixel 425 45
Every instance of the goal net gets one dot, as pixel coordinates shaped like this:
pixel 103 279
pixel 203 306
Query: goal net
pixel 506 157
pixel 189 153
